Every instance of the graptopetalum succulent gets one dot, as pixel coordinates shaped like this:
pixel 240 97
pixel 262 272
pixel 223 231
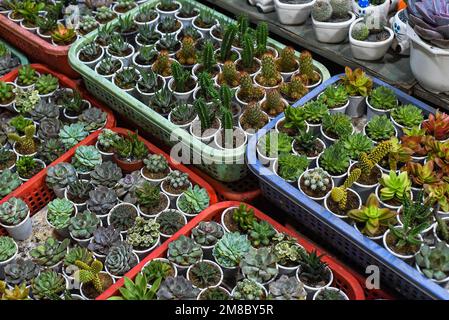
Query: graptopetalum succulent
pixel 430 20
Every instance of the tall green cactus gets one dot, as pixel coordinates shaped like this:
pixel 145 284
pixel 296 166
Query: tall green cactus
pixel 180 77
pixel 243 25
pixel 205 113
pixel 261 38
pixel 208 57
pixel 248 51
pixel 228 127
pixel 226 96
pixel 26 143
pixel 226 44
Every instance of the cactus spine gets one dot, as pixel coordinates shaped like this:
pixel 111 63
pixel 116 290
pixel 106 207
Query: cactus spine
pixel 187 54
pixel 248 51
pixel 340 194
pixel 261 38
pixel 269 75
pixel 230 74
pixel 90 273
pixel 25 143
pixel 322 11
pixel 367 162
pixel 226 97
pixel 226 44
pixel 306 67
pixel 204 114
pixel 208 60
pixel 287 61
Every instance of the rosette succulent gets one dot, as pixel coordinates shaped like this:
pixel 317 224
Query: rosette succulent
pixel 72 134
pixel 50 253
pixel 83 225
pixel 231 248
pixel 207 233
pixel 21 271
pixel 60 175
pixel 86 158
pixel 194 200
pixel 13 211
pixel 106 174
pixel 101 200
pixel 120 259
pixel 184 251
pixel 104 239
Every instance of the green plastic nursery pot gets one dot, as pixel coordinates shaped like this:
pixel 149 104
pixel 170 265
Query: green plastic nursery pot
pixel 223 165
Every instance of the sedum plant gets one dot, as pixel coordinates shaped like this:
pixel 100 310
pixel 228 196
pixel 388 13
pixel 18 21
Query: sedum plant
pixel 230 249
pixel 207 233
pixel 194 200
pixel 46 84
pixel 287 250
pixel 372 216
pixel 287 288
pixel 50 253
pixel 144 233
pixel 248 290
pixel 184 251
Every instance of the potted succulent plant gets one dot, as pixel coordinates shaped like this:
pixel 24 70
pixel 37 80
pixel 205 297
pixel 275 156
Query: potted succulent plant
pixel 381 101
pixel 159 268
pixel 82 227
pixel 123 6
pixel 27 144
pixel 59 212
pixel 187 14
pixel 78 192
pixel 60 176
pixel 287 63
pixel 293 123
pixel 252 119
pixel 8 252
pixel 49 285
pixel 193 201
pixel 101 201
pixel 286 288
pixel 28 167
pixel 358 86
pixel 214 293
pixel 156 168
pixel 268 77
pixel 204 22
pixel 120 259
pixel 9 182
pixel 406 116
pixel 150 200
pixel 15 218
pixel 313 113
pixel 433 262
pixel 63 36
pixel 315 183
pixel 21 271
pixel 149 86
pixel 122 216
pixel 336 99
pixel 182 84
pixel 229 251
pixel 107 174
pixel 184 252
pixel 90 54
pixel 51 253
pixel 129 153
pixel 287 251
pixel 272 145
pixel 86 158
pixel 7 159
pixel 336 126
pixel 108 66
pixel 177 288
pixel 379 129
pixel 143 236
pixel 335 160
pixel 331 20
pixel 393 188
pixel 260 265
pixel 93 279
pixel 170 221
pixel 205 274
pixel 247 289
pixel 206 234
pixel 290 167
pixel 314 273
pixel 330 293
pixel 104 238
pixel 357 143
pixel 75 254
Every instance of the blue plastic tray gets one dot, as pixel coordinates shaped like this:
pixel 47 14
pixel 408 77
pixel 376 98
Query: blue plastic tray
pixel 353 245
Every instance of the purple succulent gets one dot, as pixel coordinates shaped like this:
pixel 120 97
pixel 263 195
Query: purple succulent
pixel 430 20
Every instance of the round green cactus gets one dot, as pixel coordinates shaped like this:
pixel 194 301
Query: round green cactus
pixel 322 10
pixel 360 32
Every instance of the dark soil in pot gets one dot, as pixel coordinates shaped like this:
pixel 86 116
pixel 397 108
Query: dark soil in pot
pixel 9 162
pixel 406 250
pixel 105 150
pixel 34 171
pixel 352 203
pixel 314 193
pixel 169 188
pixel 289 131
pixel 167 230
pixel 310 153
pixel 198 131
pixel 201 42
pixel 315 284
pixel 186 16
pixel 29 24
pixel 10 99
pixel 177 26
pixel 233 56
pixel 190 85
pixel 378 36
pixel 89 290
pixel 84 32
pixel 254 68
pixel 217 34
pixel 257 78
pixel 71 113
pixel 171 7
pixel 212 292
pixel 124 86
pixel 155 175
pixel 370 179
pixel 249 99
pixel 123 10
pixel 201 24
pixel 125 53
pixel 338 20
pixel 331 134
pixel 229 222
pixel 155 210
pixel 213 280
pixel 128 165
pixel 152 17
pixel 86 58
pixel 215 71
pixel 180 123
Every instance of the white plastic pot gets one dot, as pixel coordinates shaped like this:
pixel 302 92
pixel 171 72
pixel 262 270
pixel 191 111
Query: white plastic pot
pixel 93 63
pixel 332 32
pixel 345 297
pixel 337 215
pixel 263 5
pixel 367 50
pixel 403 257
pixel 292 14
pixel 182 97
pixel 152 216
pixel 429 64
pixel 310 289
pixel 212 263
pixel 21 231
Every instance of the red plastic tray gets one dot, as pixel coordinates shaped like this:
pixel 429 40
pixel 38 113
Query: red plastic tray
pixel 342 278
pixel 36 193
pixel 63 82
pixel 245 190
pixel 37 48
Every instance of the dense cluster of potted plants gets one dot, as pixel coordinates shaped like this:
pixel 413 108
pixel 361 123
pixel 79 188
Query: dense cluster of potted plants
pixel 59 22
pixel 219 81
pixel 208 265
pixel 389 182
pixel 115 203
pixel 41 122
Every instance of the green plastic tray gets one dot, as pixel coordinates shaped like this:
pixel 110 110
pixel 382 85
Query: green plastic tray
pixel 23 60
pixel 223 165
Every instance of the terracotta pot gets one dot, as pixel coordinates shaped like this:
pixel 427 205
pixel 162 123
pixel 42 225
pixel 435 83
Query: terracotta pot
pixel 127 166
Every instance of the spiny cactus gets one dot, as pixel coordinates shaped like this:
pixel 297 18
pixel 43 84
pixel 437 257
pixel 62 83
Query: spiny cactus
pixel 248 91
pixel 187 54
pixel 340 8
pixel 322 10
pixel 228 39
pixel 317 179
pixel 367 162
pixel 90 273
pixel 269 75
pixel 360 32
pixel 26 143
pixel 162 65
pixel 295 89
pixel 230 76
pixel 253 117
pixel 340 194
pixel 273 105
pixel 287 61
pixel 208 61
pixel 306 67
pixel 261 38
pixel 248 51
